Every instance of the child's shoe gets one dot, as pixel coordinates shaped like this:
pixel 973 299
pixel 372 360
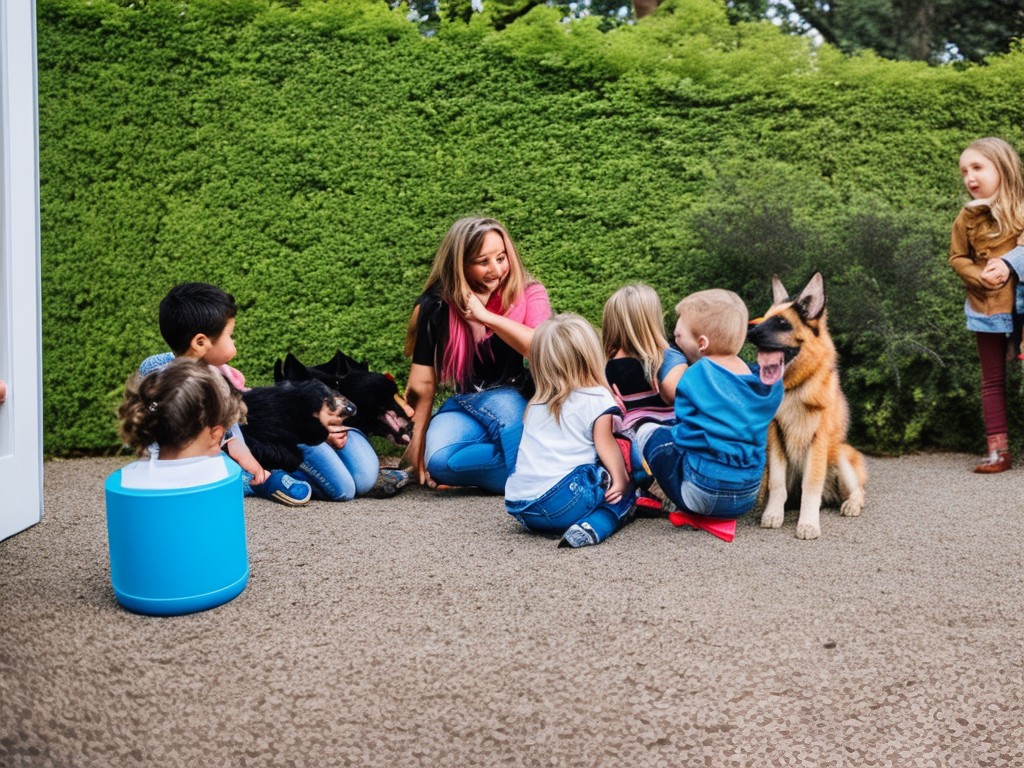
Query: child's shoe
pixel 282 487
pixel 389 482
pixel 995 462
pixel 581 535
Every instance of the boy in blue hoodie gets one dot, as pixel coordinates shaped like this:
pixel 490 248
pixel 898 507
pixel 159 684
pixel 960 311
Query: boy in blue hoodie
pixel 710 462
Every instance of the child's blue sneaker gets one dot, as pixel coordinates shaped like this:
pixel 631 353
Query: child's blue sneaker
pixel 282 487
pixel 581 535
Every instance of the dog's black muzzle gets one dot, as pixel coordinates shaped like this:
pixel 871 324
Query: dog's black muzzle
pixel 763 336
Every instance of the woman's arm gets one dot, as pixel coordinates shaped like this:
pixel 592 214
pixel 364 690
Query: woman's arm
pixel 420 396
pixel 611 457
pixel 519 335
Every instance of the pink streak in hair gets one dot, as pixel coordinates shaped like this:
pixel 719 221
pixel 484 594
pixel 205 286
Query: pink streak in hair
pixel 459 352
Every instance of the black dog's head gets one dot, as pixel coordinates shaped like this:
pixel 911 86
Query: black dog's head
pixel 380 409
pixel 788 325
pixel 288 414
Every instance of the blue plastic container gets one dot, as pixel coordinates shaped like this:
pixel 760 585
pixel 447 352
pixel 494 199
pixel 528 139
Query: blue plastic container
pixel 177 550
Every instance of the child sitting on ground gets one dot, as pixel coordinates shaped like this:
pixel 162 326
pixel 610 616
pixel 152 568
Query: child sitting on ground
pixel 711 461
pixel 642 369
pixel 187 409
pixel 197 320
pixel 570 477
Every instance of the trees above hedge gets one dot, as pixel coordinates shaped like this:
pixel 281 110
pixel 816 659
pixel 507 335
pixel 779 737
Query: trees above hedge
pixel 308 158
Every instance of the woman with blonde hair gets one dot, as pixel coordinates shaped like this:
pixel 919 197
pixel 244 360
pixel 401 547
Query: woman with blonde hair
pixel 570 477
pixel 471 330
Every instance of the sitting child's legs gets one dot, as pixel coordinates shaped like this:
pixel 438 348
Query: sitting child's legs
pixel 361 460
pixel 576 500
pixel 663 459
pixel 340 475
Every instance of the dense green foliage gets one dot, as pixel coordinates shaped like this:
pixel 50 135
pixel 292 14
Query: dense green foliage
pixel 309 156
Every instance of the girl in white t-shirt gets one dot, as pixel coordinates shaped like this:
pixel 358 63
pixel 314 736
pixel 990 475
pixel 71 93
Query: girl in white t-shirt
pixel 186 409
pixel 570 477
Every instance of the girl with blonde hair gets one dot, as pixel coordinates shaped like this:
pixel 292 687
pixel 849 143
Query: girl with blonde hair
pixel 983 253
pixel 471 330
pixel 570 478
pixel 642 369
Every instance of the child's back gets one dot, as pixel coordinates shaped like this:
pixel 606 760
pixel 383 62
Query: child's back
pixel 642 368
pixel 710 462
pixel 570 477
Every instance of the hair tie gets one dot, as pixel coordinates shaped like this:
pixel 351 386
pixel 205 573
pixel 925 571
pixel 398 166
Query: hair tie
pixel 153 406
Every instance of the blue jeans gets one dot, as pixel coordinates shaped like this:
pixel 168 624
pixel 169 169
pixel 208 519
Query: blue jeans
pixel 576 498
pixel 339 475
pixel 696 484
pixel 474 437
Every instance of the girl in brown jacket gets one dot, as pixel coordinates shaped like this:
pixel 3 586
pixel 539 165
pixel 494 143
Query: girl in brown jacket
pixel 986 230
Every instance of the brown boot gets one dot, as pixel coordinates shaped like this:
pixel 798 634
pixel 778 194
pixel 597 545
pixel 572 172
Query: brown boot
pixel 996 461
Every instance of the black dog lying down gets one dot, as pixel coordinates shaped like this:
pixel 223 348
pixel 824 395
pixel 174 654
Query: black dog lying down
pixel 287 414
pixel 379 409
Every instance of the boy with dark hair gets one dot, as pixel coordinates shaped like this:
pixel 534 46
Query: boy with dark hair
pixel 197 320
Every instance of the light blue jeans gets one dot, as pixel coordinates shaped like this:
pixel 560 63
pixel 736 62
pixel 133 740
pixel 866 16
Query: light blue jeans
pixel 339 475
pixel 474 437
pixel 577 498
pixel 697 484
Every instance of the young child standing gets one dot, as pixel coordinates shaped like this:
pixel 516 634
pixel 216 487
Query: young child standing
pixel 187 409
pixel 197 320
pixel 711 461
pixel 642 369
pixel 570 477
pixel 986 231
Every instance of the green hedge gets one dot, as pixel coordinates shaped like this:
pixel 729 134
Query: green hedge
pixel 309 157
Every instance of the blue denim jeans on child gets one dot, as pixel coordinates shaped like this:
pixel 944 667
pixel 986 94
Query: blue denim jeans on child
pixel 577 498
pixel 340 475
pixel 474 437
pixel 696 484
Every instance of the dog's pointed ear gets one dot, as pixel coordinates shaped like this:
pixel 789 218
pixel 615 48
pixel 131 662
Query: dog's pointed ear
pixel 349 364
pixel 278 371
pixel 293 370
pixel 812 297
pixel 779 292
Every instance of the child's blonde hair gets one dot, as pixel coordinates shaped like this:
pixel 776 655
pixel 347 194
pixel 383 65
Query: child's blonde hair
pixel 170 407
pixel 565 355
pixel 633 322
pixel 1007 205
pixel 719 315
pixel 460 245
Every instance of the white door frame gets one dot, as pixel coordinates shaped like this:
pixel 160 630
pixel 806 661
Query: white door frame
pixel 21 417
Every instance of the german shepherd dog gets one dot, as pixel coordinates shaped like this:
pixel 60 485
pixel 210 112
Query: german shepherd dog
pixel 380 409
pixel 807 450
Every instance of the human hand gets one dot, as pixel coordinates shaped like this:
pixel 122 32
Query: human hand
pixel 614 493
pixel 259 475
pixel 337 437
pixel 413 458
pixel 995 273
pixel 474 309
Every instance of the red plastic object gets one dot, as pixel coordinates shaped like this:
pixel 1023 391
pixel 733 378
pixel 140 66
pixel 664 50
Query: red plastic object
pixel 723 529
pixel 648 501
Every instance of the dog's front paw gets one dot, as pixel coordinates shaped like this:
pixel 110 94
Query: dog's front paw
pixel 851 508
pixel 772 518
pixel 807 531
